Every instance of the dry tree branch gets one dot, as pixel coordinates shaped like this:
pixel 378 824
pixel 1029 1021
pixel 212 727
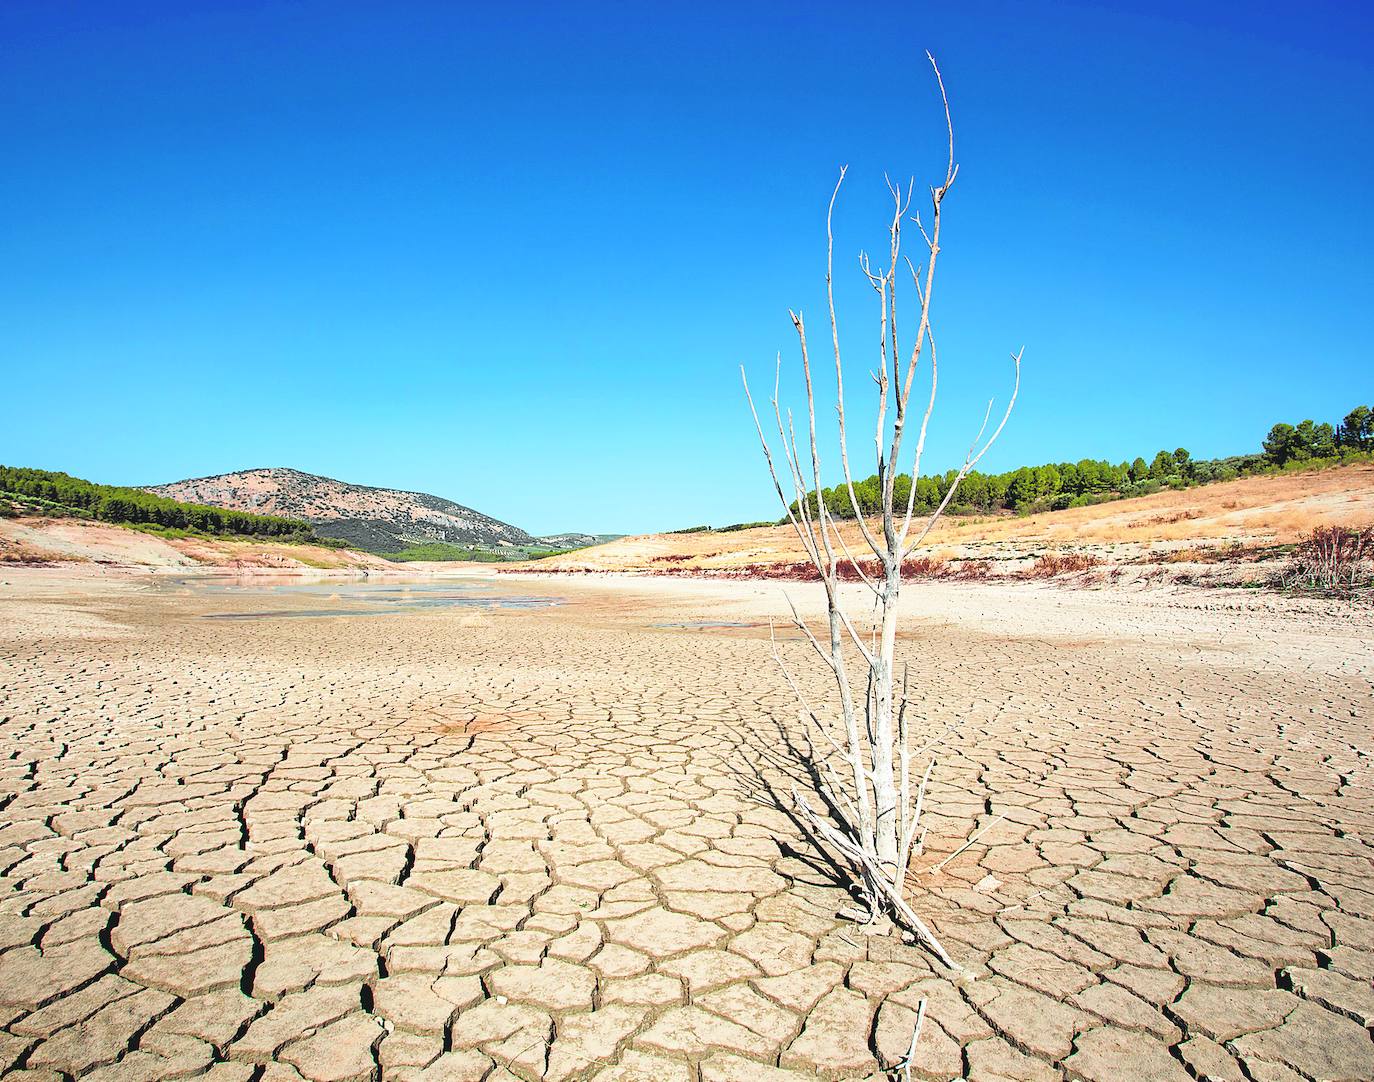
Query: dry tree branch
pixel 876 876
pixel 971 842
pixel 971 459
pixel 874 815
pixel 905 1063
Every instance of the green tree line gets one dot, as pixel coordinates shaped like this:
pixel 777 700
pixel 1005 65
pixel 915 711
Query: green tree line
pixel 132 506
pixel 1306 441
pixel 1056 485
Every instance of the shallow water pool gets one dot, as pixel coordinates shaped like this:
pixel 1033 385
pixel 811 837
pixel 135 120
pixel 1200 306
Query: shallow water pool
pixel 361 598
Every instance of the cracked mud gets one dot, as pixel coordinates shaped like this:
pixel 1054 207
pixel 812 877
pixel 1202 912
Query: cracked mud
pixel 539 844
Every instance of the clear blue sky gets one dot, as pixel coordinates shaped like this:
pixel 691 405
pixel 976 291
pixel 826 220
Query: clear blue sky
pixel 513 254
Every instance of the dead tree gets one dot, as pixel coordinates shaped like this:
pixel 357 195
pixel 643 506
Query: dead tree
pixel 871 783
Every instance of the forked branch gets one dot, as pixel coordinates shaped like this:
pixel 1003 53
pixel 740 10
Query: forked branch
pixel 868 773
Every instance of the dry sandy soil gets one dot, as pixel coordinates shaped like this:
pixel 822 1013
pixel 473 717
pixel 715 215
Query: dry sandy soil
pixel 29 541
pixel 496 843
pixel 1254 511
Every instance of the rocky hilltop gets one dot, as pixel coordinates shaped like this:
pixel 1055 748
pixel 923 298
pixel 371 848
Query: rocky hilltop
pixel 372 519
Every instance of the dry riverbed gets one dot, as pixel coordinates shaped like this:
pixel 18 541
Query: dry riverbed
pixel 465 833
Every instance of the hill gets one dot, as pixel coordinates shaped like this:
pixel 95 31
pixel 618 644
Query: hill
pixel 378 520
pixel 1230 518
pixel 59 494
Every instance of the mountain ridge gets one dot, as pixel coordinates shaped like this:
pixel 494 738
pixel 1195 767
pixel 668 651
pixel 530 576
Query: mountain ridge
pixel 369 517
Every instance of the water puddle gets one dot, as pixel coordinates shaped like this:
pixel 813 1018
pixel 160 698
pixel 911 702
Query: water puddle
pixel 291 612
pixel 366 598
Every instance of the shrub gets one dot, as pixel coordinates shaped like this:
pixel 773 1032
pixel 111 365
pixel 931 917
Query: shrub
pixel 924 567
pixel 1337 558
pixel 1057 563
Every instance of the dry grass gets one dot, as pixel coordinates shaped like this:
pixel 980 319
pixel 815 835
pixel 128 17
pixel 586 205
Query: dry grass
pixel 1279 509
pixel 1229 553
pixel 1251 512
pixel 1054 564
pixel 1334 558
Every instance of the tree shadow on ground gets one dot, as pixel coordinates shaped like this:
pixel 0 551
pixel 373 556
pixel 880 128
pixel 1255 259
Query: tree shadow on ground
pixel 771 769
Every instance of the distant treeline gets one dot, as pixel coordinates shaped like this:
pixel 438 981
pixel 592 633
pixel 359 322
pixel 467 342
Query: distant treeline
pixel 728 529
pixel 132 506
pixel 1057 485
pixel 443 550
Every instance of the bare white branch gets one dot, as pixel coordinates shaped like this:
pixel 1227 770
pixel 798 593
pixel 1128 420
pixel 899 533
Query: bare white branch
pixel 873 818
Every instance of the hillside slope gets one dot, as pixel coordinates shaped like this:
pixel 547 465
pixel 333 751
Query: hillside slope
pixel 1276 509
pixel 373 519
pixel 39 541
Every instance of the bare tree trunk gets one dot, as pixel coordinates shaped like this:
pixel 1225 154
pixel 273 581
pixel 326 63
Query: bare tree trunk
pixel 866 760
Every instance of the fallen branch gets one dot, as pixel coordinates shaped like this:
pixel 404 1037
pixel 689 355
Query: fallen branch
pixel 904 1064
pixel 986 827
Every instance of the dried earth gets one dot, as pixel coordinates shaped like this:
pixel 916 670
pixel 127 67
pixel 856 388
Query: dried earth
pixel 55 542
pixel 1211 534
pixel 541 844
